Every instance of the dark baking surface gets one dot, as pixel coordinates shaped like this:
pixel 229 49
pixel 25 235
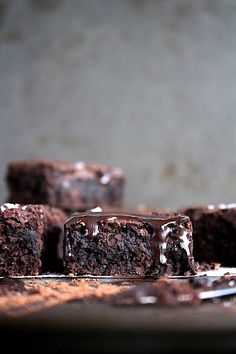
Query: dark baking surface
pixel 87 327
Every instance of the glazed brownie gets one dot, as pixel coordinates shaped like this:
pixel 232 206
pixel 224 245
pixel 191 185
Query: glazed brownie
pixel 214 233
pixel 124 244
pixel 52 253
pixel 21 239
pixel 71 186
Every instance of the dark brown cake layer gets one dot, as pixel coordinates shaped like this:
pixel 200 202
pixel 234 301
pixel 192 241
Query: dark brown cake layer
pixel 122 244
pixel 31 239
pixel 214 233
pixel 21 239
pixel 72 186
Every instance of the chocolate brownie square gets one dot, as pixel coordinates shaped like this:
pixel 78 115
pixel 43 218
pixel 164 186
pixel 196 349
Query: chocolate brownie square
pixel 21 239
pixel 71 186
pixel 214 233
pixel 101 243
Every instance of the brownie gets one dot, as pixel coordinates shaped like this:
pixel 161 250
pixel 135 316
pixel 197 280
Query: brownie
pixel 71 186
pixel 128 244
pixel 31 239
pixel 52 253
pixel 21 239
pixel 214 233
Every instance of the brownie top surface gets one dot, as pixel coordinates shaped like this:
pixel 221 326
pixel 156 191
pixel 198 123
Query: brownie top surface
pixel 8 206
pixel 51 214
pixel 62 167
pixel 20 216
pixel 11 208
pixel 156 220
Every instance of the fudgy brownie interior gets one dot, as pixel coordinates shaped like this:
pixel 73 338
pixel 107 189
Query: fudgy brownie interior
pixel 21 239
pixel 117 244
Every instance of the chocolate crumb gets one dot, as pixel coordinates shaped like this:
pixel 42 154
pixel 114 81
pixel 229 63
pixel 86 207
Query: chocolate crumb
pixel 162 292
pixel 9 285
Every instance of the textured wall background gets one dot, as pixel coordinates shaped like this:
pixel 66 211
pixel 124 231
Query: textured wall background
pixel 146 85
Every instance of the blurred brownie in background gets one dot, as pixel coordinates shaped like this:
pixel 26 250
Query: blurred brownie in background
pixel 138 209
pixel 70 186
pixel 214 233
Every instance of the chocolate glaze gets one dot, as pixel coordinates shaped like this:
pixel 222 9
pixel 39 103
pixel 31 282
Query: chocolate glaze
pixel 164 227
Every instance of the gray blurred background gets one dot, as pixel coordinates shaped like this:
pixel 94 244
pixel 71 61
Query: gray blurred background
pixel 146 85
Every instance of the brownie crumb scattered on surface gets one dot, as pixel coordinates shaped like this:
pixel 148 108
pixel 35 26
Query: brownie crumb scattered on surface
pixel 19 297
pixel 203 266
pixel 35 295
pixel 9 285
pixel 170 292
